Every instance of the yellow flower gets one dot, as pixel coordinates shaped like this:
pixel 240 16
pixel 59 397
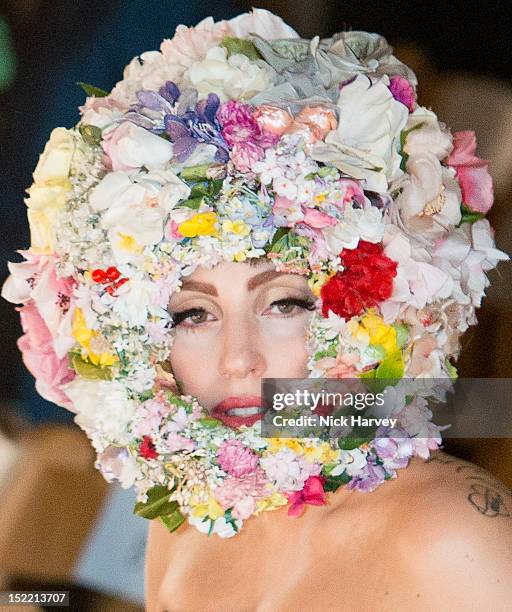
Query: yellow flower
pixel 212 509
pixel 240 256
pixel 358 331
pixel 236 227
pixel 201 224
pixel 81 333
pixel 91 341
pixel 380 333
pixel 273 502
pixel 277 444
pixel 329 455
pixel 320 197
pixel 318 280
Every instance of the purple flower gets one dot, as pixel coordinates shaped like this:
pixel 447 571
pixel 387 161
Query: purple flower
pixel 370 478
pixel 186 131
pixel 152 107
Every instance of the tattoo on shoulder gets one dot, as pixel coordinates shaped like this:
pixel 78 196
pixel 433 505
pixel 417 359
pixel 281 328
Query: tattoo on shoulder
pixel 486 494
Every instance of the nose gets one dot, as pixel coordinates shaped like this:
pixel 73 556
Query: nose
pixel 241 355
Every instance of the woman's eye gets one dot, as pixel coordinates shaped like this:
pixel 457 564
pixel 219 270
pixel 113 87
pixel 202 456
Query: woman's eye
pixel 196 316
pixel 288 306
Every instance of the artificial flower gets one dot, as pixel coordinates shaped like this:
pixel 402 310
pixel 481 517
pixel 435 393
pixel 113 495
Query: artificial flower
pixel 130 147
pixel 472 173
pixel 234 77
pixel 366 280
pixel 364 145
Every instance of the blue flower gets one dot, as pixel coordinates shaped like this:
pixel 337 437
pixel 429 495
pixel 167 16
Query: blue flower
pixel 186 131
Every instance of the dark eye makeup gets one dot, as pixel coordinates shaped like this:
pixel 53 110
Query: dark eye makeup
pixel 180 316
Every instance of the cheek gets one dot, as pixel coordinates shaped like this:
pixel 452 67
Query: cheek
pixel 284 347
pixel 190 362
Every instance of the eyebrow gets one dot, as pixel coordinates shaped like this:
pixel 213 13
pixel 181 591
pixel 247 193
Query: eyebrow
pixel 209 289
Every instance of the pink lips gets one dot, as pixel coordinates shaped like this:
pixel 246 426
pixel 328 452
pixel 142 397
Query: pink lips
pixel 221 410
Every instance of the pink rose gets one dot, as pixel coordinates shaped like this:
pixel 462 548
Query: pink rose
pixel 314 123
pixel 472 173
pixel 36 346
pixel 273 120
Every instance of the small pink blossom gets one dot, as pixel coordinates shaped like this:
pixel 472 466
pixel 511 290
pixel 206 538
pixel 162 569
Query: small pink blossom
pixel 175 442
pixel 236 459
pixel 171 231
pixel 402 91
pixel 245 154
pixel 242 493
pixel 472 172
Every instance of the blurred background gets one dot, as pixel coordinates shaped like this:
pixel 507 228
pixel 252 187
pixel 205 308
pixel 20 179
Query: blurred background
pixel 59 522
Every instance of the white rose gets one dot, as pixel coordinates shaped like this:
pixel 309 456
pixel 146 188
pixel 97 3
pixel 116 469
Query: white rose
pixel 365 143
pixel 236 77
pixel 50 190
pixel 102 406
pixel 261 22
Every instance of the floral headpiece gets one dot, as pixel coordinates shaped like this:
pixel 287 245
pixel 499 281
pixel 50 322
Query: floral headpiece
pixel 238 139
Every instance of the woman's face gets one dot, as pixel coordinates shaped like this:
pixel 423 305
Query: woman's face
pixel 235 324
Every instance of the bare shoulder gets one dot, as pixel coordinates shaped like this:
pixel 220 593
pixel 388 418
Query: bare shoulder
pixel 460 489
pixel 157 562
pixel 461 526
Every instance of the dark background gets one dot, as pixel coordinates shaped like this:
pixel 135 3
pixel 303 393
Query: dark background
pixel 59 42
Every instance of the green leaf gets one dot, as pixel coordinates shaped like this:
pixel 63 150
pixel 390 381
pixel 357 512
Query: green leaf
pixel 392 367
pixel 210 422
pixel 469 216
pixel 403 138
pixel 172 521
pixel 452 370
pixel 195 173
pixel 240 45
pixel 330 351
pixel 349 443
pixel 333 483
pixel 193 203
pixel 91 134
pixel 206 188
pixel 88 370
pixel 158 504
pixel 91 90
pixel 402 334
pixel 328 171
pixel 278 235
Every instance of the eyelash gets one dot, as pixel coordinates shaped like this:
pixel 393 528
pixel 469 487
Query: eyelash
pixel 178 317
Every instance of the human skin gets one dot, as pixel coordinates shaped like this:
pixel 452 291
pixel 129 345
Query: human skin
pixel 439 536
pixel 241 337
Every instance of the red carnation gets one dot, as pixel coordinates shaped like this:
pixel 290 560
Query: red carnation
pixel 147 448
pixel 366 280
